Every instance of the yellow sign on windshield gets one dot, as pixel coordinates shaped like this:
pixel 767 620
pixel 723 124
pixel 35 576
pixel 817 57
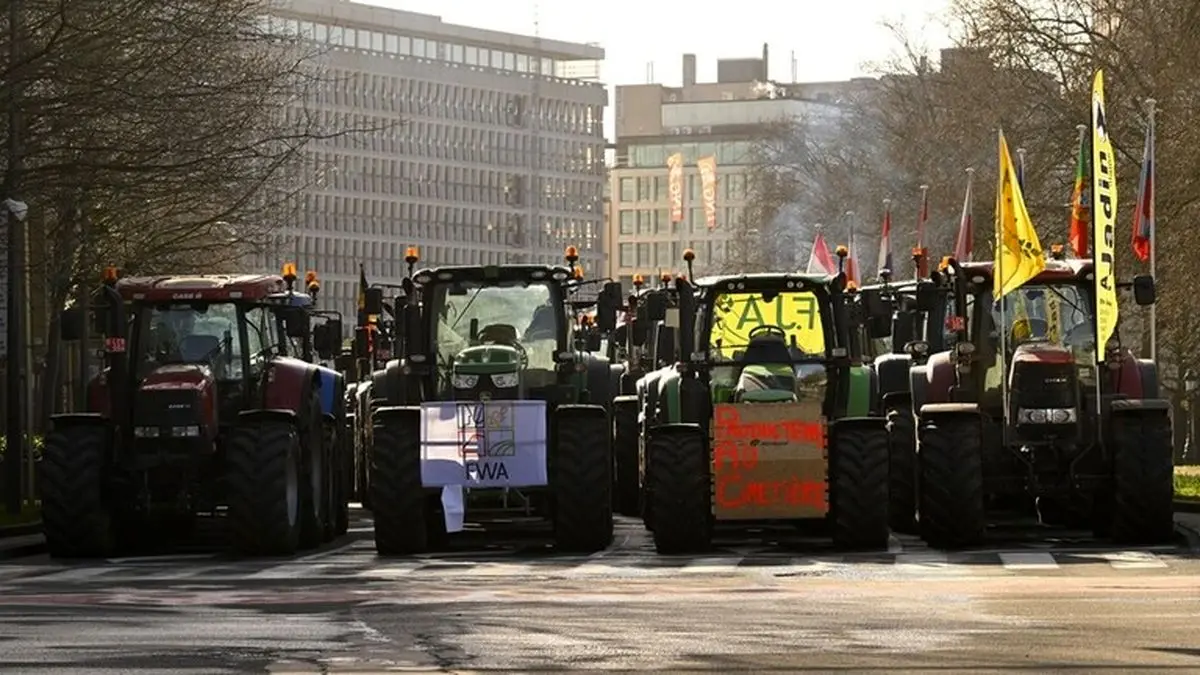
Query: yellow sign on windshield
pixel 797 314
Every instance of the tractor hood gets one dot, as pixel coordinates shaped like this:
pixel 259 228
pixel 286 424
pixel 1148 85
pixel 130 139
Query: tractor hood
pixel 487 360
pixel 1044 353
pixel 178 377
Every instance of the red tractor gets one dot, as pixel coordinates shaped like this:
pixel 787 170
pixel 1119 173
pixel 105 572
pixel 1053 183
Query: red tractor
pixel 200 409
pixel 1018 413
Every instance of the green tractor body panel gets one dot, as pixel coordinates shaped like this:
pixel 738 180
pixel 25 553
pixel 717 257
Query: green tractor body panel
pixel 859 403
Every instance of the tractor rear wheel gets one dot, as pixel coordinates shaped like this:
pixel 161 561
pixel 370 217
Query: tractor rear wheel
pixel 397 495
pixel 343 459
pixel 950 456
pixel 582 483
pixel 264 488
pixel 336 517
pixel 1143 477
pixel 625 449
pixel 679 470
pixel 313 509
pixel 76 519
pixel 902 471
pixel 858 487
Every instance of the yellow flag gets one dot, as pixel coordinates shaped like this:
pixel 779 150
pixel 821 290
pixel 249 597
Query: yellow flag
pixel 1104 211
pixel 1018 252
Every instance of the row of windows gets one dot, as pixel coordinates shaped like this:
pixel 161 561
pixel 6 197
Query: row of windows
pixel 658 221
pixel 412 97
pixel 405 45
pixel 728 153
pixel 668 255
pixel 731 186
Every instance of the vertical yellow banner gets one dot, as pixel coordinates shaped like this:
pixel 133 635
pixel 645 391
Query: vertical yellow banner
pixel 675 186
pixel 1104 211
pixel 708 184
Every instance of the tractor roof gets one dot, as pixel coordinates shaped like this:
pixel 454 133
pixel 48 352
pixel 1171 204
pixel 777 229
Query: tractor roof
pixel 492 273
pixel 1056 270
pixel 767 279
pixel 201 287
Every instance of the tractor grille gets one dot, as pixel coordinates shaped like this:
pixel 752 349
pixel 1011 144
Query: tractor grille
pixel 172 408
pixel 486 390
pixel 1045 385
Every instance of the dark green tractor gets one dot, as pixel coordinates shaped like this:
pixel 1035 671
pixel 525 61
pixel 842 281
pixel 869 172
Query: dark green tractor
pixel 492 414
pixel 766 418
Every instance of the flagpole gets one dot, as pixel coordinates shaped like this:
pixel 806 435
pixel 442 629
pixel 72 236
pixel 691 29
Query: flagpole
pixel 999 255
pixel 1150 104
pixel 971 211
pixel 1021 169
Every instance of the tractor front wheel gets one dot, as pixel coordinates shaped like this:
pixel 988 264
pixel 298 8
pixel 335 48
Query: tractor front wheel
pixel 679 470
pixel 1143 477
pixel 950 456
pixel 858 487
pixel 264 488
pixel 582 483
pixel 902 471
pixel 397 495
pixel 76 519
pixel 625 449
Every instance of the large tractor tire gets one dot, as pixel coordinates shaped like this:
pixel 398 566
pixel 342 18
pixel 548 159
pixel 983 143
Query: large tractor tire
pixel 264 482
pixel 858 488
pixel 337 498
pixel 681 500
pixel 76 518
pixel 314 509
pixel 1143 477
pixel 397 495
pixel 581 477
pixel 951 502
pixel 625 449
pixel 902 471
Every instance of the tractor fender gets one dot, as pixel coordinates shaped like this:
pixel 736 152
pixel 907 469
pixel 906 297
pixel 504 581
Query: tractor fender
pixel 858 422
pixel 289 382
pixel 393 414
pixel 648 395
pixel 284 415
pixel 1133 406
pixel 939 376
pixel 577 410
pixel 668 404
pixel 332 387
pixel 599 380
pixel 616 375
pixel 892 370
pixel 918 384
pixel 947 409
pixel 862 394
pixel 78 419
pixel 1148 370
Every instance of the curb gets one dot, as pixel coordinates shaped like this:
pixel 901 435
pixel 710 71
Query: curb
pixel 21 530
pixel 23 550
pixel 1187 506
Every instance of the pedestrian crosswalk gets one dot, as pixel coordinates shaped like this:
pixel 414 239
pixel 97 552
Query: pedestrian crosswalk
pixel 359 563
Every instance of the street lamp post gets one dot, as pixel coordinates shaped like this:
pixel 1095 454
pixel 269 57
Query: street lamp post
pixel 1191 382
pixel 14 213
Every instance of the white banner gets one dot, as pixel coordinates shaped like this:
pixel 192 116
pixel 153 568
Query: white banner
pixel 479 444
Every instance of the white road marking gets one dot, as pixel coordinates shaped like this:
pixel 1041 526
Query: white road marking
pixel 388 571
pixel 326 554
pixel 1133 560
pixel 74 574
pixel 290 570
pixel 150 560
pixel 1014 560
pixel 711 565
pixel 924 563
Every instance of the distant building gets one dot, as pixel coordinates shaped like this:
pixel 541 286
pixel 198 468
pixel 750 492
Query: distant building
pixel 722 119
pixel 499 158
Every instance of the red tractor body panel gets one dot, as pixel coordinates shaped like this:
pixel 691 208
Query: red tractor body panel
pixel 213 288
pixel 1042 353
pixel 288 382
pixel 186 377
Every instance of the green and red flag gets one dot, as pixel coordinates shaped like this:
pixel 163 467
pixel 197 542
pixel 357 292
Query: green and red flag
pixel 1080 200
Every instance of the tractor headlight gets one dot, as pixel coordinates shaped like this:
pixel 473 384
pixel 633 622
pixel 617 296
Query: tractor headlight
pixel 505 380
pixel 145 432
pixel 1046 416
pixel 465 381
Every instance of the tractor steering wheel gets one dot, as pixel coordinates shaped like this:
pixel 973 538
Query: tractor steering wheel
pixel 768 330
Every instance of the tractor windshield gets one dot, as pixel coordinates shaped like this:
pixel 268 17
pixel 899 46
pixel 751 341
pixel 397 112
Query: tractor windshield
pixel 524 315
pixel 204 333
pixel 1060 314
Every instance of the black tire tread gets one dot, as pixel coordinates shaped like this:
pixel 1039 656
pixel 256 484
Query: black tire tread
pixel 951 504
pixel 582 484
pixel 76 519
pixel 257 461
pixel 1143 479
pixel 314 508
pixel 902 471
pixel 858 488
pixel 397 496
pixel 680 472
pixel 625 448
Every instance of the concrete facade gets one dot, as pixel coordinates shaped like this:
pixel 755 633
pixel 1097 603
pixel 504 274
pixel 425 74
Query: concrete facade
pixel 466 145
pixel 725 119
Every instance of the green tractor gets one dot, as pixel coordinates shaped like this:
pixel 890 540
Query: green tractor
pixel 490 414
pixel 767 416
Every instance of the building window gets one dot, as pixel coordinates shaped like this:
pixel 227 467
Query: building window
pixel 645 222
pixel 643 256
pixel 645 189
pixel 662 221
pixel 628 222
pixel 626 258
pixel 628 189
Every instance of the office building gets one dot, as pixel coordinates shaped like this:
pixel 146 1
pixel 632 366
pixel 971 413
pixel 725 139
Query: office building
pixel 724 120
pixel 476 150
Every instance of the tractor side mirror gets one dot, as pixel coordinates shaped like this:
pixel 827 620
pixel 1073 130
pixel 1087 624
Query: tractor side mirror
pixel 295 322
pixel 327 339
pixel 374 301
pixel 606 306
pixel 1144 293
pixel 656 306
pixel 926 296
pixel 71 324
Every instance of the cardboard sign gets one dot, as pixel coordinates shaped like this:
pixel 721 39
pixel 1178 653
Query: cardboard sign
pixel 483 444
pixel 769 461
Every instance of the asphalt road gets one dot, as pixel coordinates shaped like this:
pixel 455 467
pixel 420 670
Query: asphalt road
pixel 1035 599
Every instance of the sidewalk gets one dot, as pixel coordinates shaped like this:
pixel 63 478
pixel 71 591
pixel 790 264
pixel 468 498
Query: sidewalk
pixel 21 540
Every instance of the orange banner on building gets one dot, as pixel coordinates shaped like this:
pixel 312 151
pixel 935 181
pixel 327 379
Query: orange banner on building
pixel 708 185
pixel 675 186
